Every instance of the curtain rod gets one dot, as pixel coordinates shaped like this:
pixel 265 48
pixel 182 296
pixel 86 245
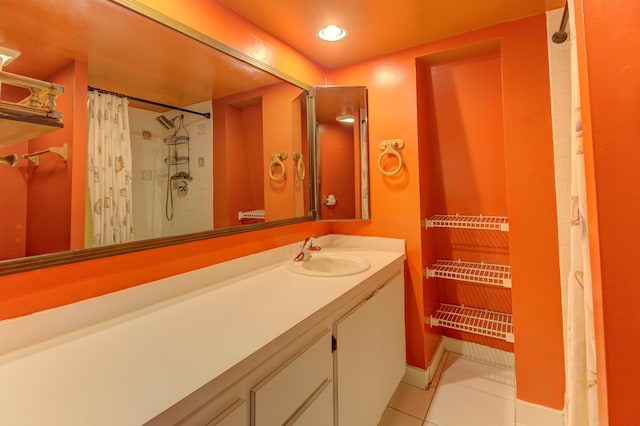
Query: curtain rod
pixel 561 35
pixel 109 92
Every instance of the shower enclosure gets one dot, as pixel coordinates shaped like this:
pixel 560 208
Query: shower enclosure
pixel 172 172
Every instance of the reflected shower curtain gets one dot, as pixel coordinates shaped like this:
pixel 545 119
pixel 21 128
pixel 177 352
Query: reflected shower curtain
pixel 109 169
pixel 582 389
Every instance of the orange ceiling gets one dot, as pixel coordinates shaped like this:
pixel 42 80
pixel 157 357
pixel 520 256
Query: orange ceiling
pixel 377 27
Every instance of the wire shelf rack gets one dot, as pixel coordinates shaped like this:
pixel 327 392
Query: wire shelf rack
pixel 494 223
pixel 175 161
pixel 473 272
pixel 472 320
pixel 251 214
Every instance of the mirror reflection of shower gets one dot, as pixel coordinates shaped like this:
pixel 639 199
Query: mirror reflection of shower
pixel 166 184
pixel 178 164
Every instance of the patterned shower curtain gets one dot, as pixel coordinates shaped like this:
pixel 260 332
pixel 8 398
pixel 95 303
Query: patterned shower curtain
pixel 109 169
pixel 582 389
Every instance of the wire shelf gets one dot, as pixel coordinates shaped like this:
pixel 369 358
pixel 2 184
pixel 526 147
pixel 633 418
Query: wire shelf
pixel 473 272
pixel 175 161
pixel 176 140
pixel 477 321
pixel 252 214
pixel 494 223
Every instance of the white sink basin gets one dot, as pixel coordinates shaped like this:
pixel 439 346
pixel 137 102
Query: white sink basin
pixel 324 264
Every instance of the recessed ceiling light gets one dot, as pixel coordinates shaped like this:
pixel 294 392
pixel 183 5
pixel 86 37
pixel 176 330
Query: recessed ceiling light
pixel 332 33
pixel 346 119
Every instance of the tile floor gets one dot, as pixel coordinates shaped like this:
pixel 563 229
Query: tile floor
pixel 464 392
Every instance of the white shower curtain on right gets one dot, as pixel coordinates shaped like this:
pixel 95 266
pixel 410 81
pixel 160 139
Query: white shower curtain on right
pixel 582 386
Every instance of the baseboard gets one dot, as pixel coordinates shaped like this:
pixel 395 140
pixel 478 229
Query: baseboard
pixel 479 352
pixel 528 414
pixel 420 378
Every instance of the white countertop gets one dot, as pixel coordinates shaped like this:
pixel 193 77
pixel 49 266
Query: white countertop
pixel 131 362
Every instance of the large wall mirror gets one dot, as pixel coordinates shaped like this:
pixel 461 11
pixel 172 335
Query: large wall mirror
pixel 217 143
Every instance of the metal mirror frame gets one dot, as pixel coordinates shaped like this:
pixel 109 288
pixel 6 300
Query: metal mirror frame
pixel 14 266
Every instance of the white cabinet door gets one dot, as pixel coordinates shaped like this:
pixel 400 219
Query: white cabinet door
pixel 319 409
pixel 289 390
pixel 370 355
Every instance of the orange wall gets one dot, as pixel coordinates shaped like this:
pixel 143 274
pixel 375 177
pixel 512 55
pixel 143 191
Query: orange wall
pixel 237 171
pixel 254 185
pixel 396 204
pixel 25 293
pixel 49 190
pixel 336 170
pixel 300 138
pixel 608 44
pixel 41 196
pixel 78 157
pixel 254 122
pixel 13 214
pixel 465 172
pixel 279 200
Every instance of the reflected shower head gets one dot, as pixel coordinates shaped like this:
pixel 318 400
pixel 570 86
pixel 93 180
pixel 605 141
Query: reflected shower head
pixel 165 122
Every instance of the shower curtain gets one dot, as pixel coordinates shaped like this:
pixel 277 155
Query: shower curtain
pixel 582 390
pixel 109 169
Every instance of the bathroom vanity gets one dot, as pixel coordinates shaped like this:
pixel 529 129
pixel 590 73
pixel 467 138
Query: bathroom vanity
pixel 243 342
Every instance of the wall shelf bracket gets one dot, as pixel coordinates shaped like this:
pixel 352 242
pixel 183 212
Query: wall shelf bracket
pixel 34 157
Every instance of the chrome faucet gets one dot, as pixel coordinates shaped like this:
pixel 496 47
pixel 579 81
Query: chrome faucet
pixel 305 249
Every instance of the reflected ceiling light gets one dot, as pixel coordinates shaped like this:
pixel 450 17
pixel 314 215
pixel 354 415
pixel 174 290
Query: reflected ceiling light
pixel 7 55
pixel 346 119
pixel 332 33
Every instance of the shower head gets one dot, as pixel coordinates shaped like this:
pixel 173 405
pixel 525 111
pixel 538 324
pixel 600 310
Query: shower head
pixel 165 122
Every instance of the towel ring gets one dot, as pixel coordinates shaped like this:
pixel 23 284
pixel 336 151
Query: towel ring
pixel 300 169
pixel 276 160
pixel 390 147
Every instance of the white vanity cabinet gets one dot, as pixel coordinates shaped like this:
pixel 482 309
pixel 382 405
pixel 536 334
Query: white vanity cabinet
pixel 338 367
pixel 211 347
pixel 370 355
pixel 297 389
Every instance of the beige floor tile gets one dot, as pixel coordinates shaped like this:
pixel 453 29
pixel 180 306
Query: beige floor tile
pixel 456 405
pixel 479 376
pixel 412 400
pixel 392 417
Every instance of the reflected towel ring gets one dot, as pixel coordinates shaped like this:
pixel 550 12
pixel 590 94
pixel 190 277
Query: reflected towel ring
pixel 300 169
pixel 390 147
pixel 276 160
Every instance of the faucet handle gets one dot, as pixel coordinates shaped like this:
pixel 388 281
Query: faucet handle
pixel 308 244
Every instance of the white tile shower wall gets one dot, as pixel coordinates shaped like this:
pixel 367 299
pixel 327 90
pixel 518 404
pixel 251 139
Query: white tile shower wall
pixel 192 213
pixel 147 157
pixel 560 78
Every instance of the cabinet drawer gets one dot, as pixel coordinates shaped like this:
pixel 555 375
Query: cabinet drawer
pixel 285 392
